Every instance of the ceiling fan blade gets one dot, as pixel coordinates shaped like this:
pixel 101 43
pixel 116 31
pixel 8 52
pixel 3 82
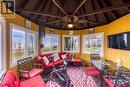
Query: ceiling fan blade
pixel 51 22
pixel 79 6
pixel 89 21
pixel 112 8
pixel 65 24
pixel 76 26
pixel 59 6
pixel 37 13
pixel 82 21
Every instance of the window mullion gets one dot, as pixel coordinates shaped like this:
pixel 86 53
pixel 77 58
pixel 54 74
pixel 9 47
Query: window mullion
pixel 51 43
pixel 25 47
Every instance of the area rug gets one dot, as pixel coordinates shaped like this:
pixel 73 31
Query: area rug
pixel 77 77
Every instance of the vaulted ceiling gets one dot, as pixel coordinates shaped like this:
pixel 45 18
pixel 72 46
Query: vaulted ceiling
pixel 82 13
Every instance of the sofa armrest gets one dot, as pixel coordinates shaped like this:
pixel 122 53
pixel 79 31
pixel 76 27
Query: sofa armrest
pixel 24 71
pixel 38 65
pixel 37 81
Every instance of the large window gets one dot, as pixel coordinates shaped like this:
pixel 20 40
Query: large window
pixel 71 43
pixel 2 46
pixel 31 44
pixel 93 43
pixel 23 43
pixel 51 43
pixel 18 44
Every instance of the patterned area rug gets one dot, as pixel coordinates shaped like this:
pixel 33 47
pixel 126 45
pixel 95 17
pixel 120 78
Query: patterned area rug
pixel 78 78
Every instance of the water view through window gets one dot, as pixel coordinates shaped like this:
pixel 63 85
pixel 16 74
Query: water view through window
pixel 18 44
pixel 71 43
pixel 55 42
pixel 31 38
pixel 51 43
pixel 47 43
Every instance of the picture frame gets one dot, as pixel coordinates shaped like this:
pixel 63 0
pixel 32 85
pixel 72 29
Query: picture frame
pixel 28 24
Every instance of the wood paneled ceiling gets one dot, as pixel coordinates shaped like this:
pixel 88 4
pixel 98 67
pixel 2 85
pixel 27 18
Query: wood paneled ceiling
pixel 82 13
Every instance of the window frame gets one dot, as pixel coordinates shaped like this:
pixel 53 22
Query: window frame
pixel 3 44
pixel 36 44
pixel 86 35
pixel 26 30
pixel 51 35
pixel 63 36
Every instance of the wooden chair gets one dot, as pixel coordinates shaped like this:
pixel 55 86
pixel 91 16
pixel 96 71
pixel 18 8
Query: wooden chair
pixel 95 56
pixel 11 80
pixel 27 69
pixel 116 79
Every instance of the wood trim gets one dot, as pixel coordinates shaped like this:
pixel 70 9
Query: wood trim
pixel 36 13
pixel 106 9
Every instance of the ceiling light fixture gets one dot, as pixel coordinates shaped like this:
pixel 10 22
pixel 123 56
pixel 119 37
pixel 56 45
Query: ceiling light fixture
pixel 70 25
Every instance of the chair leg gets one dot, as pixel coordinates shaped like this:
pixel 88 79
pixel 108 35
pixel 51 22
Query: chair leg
pixel 97 79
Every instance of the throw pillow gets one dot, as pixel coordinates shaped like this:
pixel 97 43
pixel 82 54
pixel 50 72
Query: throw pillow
pixel 56 57
pixel 46 60
pixel 64 56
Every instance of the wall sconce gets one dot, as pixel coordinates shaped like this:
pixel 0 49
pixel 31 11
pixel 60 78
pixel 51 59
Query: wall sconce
pixel 91 30
pixel 71 32
pixel 51 31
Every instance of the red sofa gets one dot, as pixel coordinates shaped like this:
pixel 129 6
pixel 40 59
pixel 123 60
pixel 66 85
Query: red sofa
pixel 47 63
pixel 11 80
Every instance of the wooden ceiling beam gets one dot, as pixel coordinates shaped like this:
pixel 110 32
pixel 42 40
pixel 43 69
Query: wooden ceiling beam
pixel 105 5
pixel 109 16
pixel 79 6
pixel 39 9
pixel 37 13
pixel 55 21
pixel 93 8
pixel 90 21
pixel 106 9
pixel 59 6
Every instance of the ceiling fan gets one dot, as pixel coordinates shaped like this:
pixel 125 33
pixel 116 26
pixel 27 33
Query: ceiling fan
pixel 70 21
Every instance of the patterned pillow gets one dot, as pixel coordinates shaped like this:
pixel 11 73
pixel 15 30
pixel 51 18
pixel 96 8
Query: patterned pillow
pixel 56 57
pixel 46 60
pixel 64 56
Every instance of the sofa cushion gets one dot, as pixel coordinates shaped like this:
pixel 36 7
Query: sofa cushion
pixel 64 56
pixel 107 80
pixel 10 80
pixel 42 55
pixel 46 60
pixel 33 82
pixel 56 57
pixel 92 72
pixel 50 65
pixel 61 54
pixel 91 67
pixel 32 73
pixel 76 60
pixel 69 60
pixel 59 62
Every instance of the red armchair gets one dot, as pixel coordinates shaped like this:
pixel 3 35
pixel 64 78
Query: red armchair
pixel 91 71
pixel 27 69
pixel 11 80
